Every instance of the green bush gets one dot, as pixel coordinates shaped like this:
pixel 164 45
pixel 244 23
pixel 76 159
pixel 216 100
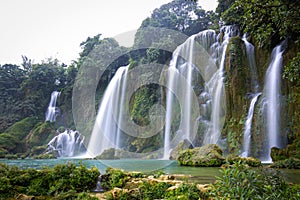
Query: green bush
pixel 240 182
pixel 57 181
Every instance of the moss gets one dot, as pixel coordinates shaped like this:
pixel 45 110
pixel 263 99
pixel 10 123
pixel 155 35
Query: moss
pixel 237 85
pixel 13 139
pixel 206 156
pixel 41 134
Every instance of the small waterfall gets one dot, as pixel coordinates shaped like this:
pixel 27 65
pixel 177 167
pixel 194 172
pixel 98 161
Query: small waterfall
pixel 272 100
pixel 52 110
pixel 106 133
pixel 248 124
pixel 252 63
pixel 67 144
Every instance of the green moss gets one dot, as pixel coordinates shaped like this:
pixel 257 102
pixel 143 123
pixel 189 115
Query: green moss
pixel 41 134
pixel 205 156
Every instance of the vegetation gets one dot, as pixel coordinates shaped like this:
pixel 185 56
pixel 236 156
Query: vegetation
pixel 60 181
pixel 240 182
pixel 268 22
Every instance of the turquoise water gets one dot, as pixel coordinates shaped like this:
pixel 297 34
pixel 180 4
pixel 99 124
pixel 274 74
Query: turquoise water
pixel 196 174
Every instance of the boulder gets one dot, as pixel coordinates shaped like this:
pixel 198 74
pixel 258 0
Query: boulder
pixel 209 155
pixel 108 154
pixel 185 144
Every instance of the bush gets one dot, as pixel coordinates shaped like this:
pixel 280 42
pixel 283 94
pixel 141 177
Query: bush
pixel 60 180
pixel 240 182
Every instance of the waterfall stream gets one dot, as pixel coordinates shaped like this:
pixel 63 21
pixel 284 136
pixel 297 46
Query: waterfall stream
pixel 52 110
pixel 106 133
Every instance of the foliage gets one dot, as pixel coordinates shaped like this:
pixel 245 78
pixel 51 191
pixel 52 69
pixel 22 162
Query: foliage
pixel 290 163
pixel 240 182
pixel 267 21
pixel 180 15
pixel 60 180
pixel 292 70
pixel 186 192
pixel 117 178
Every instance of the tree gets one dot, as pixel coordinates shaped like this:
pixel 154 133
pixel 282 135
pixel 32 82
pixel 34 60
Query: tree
pixel 268 21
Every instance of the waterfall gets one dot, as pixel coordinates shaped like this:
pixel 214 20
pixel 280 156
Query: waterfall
pixel 67 144
pixel 203 54
pixel 248 124
pixel 272 100
pixel 216 87
pixel 252 64
pixel 254 86
pixel 106 133
pixel 52 110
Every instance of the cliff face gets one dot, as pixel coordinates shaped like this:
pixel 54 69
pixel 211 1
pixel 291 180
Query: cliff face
pixel 238 88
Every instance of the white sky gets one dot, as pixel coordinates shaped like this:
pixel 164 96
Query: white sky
pixel 40 29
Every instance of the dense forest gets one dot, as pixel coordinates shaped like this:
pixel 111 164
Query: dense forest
pixel 26 89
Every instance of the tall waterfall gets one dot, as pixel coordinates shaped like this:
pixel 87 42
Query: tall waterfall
pixel 202 54
pixel 52 110
pixel 272 100
pixel 106 133
pixel 254 86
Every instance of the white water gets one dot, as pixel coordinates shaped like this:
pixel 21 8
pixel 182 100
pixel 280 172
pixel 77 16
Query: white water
pixel 216 88
pixel 52 110
pixel 254 86
pixel 272 98
pixel 248 125
pixel 212 96
pixel 67 144
pixel 251 59
pixel 106 133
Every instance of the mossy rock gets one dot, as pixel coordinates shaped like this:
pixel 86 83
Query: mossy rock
pixel 250 161
pixel 108 154
pixel 278 154
pixel 290 163
pixel 41 134
pixel 46 156
pixel 209 155
pixel 38 150
pixel 13 139
pixel 185 144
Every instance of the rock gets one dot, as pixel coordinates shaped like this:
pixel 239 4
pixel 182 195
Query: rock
pixel 108 154
pixel 250 161
pixel 204 187
pixel 206 156
pixel 25 197
pixel 185 144
pixel 278 154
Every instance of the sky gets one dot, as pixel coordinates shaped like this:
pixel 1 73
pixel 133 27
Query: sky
pixel 40 29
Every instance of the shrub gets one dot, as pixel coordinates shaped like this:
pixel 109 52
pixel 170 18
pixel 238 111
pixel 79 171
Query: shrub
pixel 240 182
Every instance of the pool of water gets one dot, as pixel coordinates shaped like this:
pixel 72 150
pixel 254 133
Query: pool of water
pixel 195 174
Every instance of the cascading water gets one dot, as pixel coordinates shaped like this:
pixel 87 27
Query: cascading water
pixel 248 124
pixel 254 86
pixel 185 62
pixel 272 99
pixel 252 64
pixel 67 144
pixel 216 87
pixel 52 110
pixel 106 133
